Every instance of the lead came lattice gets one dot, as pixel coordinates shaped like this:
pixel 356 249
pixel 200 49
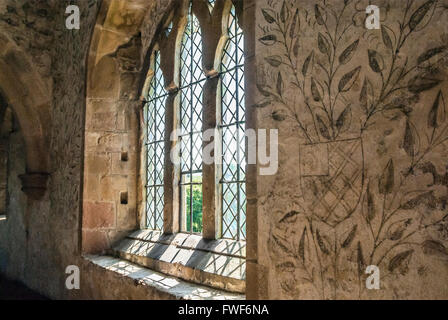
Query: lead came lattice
pixel 155 147
pixel 233 138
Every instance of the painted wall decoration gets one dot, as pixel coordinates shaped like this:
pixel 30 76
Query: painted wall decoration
pixel 368 112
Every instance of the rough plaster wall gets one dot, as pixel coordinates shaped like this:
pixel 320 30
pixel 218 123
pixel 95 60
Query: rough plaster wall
pixel 362 174
pixel 38 27
pixel 29 23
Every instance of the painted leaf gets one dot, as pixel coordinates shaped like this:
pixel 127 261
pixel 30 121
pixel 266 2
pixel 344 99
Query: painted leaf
pixel 323 44
pixel 278 116
pixel 348 80
pixel 262 104
pixel 374 61
pixel 437 114
pixel 279 84
pixel 360 259
pixel 386 38
pixel 371 210
pixel 307 63
pixel 315 91
pixel 318 14
pixel 399 260
pixel 274 61
pixel 283 12
pixel 387 180
pixel 268 40
pixel 366 93
pixel 435 248
pixel 321 243
pixel 348 53
pixel 396 230
pixel 267 16
pixel 430 54
pixel 348 241
pixel 302 246
pixel 419 14
pixel 289 217
pixel 323 129
pixel 263 90
pixel 426 198
pixel 296 47
pixel 344 121
pixel 410 140
pixel 421 83
pixel 281 243
pixel 295 21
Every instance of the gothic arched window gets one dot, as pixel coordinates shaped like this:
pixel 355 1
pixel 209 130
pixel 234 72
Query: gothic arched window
pixel 187 65
pixel 191 89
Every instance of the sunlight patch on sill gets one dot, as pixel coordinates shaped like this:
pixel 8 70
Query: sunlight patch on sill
pixel 179 289
pixel 219 264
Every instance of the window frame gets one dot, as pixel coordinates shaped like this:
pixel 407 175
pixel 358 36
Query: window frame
pixel 212 211
pixel 152 85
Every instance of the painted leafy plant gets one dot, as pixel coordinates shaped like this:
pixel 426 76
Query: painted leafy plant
pixel 399 219
pixel 323 97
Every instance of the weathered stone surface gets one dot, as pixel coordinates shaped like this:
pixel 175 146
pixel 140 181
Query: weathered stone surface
pixel 98 215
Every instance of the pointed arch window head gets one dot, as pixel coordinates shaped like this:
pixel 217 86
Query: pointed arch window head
pixel 188 109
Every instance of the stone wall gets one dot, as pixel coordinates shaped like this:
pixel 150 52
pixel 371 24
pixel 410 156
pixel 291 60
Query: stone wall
pixel 112 131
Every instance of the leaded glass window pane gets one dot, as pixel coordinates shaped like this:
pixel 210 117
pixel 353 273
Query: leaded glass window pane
pixel 192 82
pixel 233 134
pixel 154 116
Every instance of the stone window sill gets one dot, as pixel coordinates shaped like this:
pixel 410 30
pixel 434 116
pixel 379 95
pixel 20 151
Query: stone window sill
pixel 219 264
pixel 174 287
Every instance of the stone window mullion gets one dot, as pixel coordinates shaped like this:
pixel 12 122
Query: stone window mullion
pixel 211 172
pixel 172 170
pixel 213 40
pixel 169 44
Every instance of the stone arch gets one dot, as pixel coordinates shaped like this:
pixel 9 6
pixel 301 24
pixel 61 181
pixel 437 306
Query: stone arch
pixel 29 97
pixel 117 56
